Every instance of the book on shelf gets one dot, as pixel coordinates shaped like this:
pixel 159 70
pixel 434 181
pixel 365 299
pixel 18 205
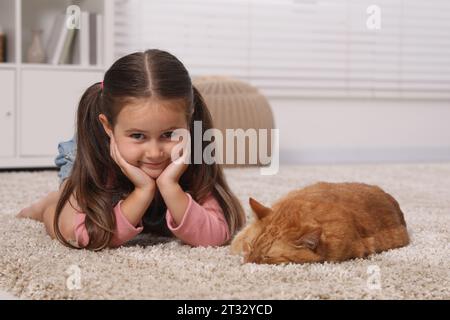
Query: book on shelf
pixel 65 56
pixel 56 39
pixel 81 49
pixel 83 46
pixel 95 39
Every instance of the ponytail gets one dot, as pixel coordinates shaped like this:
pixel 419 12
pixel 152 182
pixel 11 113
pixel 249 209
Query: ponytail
pixel 210 178
pixel 89 174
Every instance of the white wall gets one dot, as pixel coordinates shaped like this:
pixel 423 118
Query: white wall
pixel 319 49
pixel 333 131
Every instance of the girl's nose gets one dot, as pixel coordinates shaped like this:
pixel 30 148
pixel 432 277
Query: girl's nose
pixel 154 152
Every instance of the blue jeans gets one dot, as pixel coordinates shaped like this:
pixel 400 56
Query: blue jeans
pixel 66 156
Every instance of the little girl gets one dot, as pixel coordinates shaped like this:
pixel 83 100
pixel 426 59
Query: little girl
pixel 124 180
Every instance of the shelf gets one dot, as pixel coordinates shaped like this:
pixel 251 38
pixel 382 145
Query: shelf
pixel 7 65
pixel 43 66
pixel 62 67
pixel 10 163
pixel 18 18
pixel 41 15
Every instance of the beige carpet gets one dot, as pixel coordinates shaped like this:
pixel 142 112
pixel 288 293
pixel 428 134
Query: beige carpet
pixel 33 266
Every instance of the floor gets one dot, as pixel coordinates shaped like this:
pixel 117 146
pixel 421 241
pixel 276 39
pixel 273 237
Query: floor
pixel 6 296
pixel 32 266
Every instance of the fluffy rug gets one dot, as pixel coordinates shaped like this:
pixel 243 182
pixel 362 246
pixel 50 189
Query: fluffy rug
pixel 32 266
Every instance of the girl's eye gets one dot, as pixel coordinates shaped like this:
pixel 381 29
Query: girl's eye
pixel 167 134
pixel 136 134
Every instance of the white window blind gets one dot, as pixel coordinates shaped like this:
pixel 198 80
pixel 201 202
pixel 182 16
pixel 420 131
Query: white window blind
pixel 295 48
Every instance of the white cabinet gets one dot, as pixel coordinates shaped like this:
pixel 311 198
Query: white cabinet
pixel 38 102
pixel 7 114
pixel 48 108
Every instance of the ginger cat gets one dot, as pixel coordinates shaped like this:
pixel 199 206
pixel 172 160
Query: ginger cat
pixel 323 222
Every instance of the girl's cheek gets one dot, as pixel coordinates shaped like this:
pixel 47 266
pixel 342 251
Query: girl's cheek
pixel 129 154
pixel 169 148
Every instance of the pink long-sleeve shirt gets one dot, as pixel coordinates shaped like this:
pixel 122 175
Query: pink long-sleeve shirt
pixel 202 225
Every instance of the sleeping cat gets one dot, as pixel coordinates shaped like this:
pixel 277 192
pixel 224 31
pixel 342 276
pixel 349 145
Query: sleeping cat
pixel 323 222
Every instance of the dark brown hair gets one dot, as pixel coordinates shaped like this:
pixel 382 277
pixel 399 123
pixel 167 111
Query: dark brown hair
pixel 152 74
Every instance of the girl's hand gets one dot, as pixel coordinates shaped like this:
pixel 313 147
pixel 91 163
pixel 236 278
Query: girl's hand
pixel 137 176
pixel 175 169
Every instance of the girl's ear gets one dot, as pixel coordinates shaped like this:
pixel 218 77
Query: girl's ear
pixel 259 210
pixel 105 124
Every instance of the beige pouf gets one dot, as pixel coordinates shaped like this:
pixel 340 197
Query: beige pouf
pixel 235 104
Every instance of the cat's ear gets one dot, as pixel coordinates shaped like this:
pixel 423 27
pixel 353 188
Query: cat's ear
pixel 259 210
pixel 310 239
